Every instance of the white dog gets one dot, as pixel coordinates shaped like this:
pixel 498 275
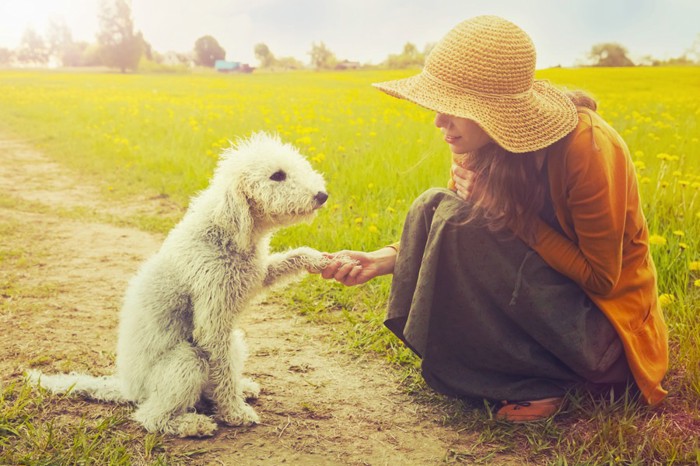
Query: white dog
pixel 178 343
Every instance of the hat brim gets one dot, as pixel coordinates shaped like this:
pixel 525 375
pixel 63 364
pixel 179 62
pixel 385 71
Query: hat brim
pixel 522 123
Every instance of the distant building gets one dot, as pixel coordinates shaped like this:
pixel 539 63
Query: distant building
pixel 225 66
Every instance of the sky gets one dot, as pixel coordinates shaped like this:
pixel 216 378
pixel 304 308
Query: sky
pixel 369 30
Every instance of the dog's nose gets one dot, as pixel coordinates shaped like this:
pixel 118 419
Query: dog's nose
pixel 321 197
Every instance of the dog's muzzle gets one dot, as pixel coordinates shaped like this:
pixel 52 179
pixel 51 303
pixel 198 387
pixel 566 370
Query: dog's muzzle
pixel 320 198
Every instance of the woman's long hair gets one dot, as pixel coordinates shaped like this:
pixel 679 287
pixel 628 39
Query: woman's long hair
pixel 508 190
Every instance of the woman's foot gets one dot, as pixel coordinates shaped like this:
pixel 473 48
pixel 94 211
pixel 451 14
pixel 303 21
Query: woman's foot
pixel 527 411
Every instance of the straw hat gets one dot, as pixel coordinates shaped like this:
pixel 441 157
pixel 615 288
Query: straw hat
pixel 483 70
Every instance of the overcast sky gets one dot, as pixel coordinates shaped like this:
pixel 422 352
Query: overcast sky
pixel 369 30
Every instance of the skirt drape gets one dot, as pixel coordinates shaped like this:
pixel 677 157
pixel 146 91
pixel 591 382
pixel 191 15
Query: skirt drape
pixel 488 317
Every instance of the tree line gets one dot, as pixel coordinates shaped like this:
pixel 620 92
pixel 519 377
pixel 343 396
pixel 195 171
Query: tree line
pixel 120 46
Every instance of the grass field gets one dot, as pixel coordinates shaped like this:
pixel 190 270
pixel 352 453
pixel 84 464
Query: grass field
pixel 162 135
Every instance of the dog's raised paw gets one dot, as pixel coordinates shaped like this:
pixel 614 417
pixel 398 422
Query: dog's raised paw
pixel 345 259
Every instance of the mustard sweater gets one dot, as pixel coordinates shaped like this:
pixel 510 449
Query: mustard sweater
pixel 605 248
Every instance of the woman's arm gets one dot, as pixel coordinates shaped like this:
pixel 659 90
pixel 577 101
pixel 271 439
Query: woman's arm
pixel 600 193
pixel 367 266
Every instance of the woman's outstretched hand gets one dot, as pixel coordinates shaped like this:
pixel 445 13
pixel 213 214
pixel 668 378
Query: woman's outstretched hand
pixel 363 267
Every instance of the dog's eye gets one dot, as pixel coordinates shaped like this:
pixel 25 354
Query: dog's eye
pixel 279 176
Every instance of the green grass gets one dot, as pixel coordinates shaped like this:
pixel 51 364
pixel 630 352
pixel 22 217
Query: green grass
pixel 31 436
pixel 160 135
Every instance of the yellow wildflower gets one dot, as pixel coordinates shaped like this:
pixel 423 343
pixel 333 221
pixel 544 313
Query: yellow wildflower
pixel 694 265
pixel 657 240
pixel 666 299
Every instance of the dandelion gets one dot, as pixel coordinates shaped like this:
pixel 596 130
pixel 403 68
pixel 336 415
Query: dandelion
pixel 657 240
pixel 683 245
pixel 679 233
pixel 666 299
pixel 359 220
pixel 697 282
pixel 373 229
pixel 694 265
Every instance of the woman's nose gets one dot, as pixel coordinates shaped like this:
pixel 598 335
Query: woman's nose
pixel 441 120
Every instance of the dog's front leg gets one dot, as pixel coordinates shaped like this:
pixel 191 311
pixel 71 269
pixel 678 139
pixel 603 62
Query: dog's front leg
pixel 229 387
pixel 288 264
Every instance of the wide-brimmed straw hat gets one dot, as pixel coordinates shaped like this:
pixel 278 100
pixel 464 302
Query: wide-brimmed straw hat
pixel 484 70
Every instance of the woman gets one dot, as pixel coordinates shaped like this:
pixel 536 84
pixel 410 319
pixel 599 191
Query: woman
pixel 532 274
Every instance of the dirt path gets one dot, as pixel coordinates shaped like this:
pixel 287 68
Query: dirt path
pixel 317 406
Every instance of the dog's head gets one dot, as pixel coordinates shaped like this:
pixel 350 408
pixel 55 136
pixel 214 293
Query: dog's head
pixel 272 178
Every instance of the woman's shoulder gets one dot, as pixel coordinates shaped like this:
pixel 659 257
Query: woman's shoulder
pixel 591 134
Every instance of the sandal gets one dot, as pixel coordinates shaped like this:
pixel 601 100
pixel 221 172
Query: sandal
pixel 527 411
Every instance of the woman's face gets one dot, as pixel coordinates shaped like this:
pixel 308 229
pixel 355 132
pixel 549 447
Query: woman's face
pixel 462 135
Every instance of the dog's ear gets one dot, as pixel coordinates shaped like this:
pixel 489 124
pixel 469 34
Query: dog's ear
pixel 232 213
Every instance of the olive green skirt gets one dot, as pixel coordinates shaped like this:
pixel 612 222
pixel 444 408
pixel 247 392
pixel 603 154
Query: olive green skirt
pixel 488 317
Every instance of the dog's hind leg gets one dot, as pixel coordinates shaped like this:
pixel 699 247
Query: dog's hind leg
pixel 175 384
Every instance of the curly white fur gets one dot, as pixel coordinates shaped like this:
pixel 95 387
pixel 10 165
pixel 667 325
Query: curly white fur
pixel 178 344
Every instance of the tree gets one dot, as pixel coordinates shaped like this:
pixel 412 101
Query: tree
pixel 264 56
pixel 610 54
pixel 5 56
pixel 32 48
pixel 321 56
pixel 693 52
pixel 120 46
pixel 75 54
pixel 288 63
pixel 207 50
pixel 409 58
pixel 60 41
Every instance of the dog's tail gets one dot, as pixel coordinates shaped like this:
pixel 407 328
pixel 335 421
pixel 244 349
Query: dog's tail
pixel 105 388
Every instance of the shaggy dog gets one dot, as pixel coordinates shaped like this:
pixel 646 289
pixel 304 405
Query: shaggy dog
pixel 178 344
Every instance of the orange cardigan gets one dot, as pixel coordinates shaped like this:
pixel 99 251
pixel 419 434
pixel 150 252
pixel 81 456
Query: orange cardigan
pixel 606 244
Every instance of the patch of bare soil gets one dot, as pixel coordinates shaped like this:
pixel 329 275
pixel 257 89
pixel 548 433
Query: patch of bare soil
pixel 317 406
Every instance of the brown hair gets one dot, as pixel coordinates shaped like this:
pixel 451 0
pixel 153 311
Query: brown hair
pixel 508 190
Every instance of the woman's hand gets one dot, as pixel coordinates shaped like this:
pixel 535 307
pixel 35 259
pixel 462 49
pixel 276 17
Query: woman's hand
pixel 463 179
pixel 365 267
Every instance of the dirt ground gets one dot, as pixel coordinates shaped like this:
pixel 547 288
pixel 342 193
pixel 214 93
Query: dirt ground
pixel 318 405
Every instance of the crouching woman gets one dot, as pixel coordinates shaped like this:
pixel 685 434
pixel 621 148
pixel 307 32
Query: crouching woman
pixel 531 274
